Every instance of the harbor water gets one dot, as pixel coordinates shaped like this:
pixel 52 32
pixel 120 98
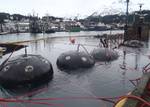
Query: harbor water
pixel 104 79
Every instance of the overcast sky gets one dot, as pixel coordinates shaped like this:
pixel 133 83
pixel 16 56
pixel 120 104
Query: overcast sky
pixel 68 8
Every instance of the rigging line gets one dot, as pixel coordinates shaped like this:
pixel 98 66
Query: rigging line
pixel 3 64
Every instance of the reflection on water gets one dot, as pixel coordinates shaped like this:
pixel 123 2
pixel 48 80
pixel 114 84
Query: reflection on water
pixel 104 79
pixel 26 36
pixel 24 90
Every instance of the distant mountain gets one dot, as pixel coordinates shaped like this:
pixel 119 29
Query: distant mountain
pixel 4 15
pixel 117 18
pixel 12 17
pixel 18 17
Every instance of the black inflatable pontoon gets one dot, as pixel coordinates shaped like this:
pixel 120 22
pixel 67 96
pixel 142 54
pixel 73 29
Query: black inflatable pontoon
pixel 25 69
pixel 104 54
pixel 73 60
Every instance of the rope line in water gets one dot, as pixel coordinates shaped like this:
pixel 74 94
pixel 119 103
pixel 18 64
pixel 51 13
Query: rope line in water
pixel 28 101
pixel 33 92
pixel 107 99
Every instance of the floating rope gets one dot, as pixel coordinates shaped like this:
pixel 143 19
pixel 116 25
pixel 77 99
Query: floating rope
pixel 28 101
pixel 107 99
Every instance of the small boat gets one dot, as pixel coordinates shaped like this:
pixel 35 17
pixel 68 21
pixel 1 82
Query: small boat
pixel 35 25
pixel 73 28
pixel 49 31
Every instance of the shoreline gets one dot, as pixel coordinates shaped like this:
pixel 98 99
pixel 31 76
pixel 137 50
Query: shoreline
pixel 5 33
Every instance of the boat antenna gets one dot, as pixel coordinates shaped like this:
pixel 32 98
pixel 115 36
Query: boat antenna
pixel 140 5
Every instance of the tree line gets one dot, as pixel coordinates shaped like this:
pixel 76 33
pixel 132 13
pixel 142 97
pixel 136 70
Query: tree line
pixel 107 19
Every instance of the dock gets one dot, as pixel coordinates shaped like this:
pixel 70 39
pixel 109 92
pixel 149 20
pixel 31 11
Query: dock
pixel 4 33
pixel 142 90
pixel 6 48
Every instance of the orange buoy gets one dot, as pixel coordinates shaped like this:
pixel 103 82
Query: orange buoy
pixel 72 40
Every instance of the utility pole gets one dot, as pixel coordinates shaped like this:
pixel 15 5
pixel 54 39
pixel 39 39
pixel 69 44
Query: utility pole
pixel 127 14
pixel 141 20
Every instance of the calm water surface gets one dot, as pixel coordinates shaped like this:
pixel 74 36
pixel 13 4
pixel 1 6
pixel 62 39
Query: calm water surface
pixel 102 80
